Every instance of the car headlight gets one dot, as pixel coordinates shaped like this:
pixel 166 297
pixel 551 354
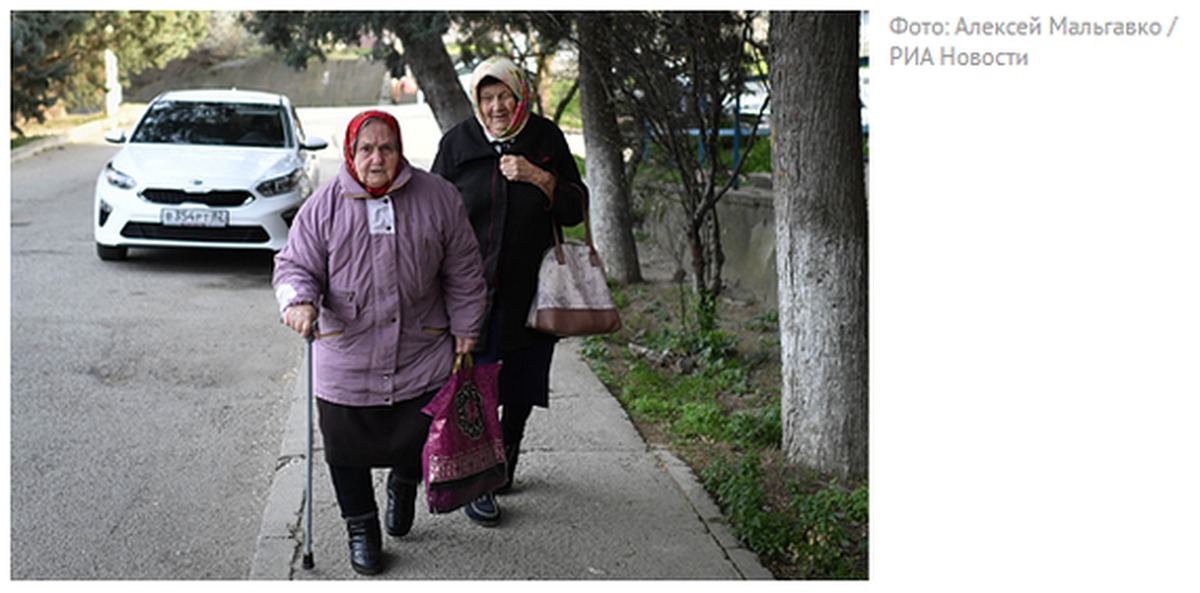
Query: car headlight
pixel 118 179
pixel 281 185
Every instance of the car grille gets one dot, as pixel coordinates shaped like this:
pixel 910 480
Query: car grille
pixel 233 234
pixel 212 198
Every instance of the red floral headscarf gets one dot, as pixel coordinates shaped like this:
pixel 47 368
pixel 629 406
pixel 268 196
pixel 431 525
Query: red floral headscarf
pixel 504 70
pixel 352 131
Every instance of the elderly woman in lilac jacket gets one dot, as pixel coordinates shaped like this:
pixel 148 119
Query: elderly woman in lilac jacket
pixel 384 259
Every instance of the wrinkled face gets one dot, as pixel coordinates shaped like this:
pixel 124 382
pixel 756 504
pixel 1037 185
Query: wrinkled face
pixel 376 154
pixel 497 104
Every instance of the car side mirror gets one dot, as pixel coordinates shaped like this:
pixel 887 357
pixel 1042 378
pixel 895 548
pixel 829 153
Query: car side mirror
pixel 115 136
pixel 314 143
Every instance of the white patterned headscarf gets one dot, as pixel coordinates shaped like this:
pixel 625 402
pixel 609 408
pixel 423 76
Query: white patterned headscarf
pixel 504 70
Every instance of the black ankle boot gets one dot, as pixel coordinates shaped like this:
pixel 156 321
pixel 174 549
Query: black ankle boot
pixel 366 544
pixel 511 452
pixel 402 498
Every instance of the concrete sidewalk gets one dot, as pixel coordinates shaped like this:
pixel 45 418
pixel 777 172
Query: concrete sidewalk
pixel 592 501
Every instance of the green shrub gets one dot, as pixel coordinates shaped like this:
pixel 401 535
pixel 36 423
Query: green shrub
pixel 738 488
pixel 816 532
pixel 700 336
pixel 593 348
pixel 822 544
pixel 760 429
pixel 700 419
pixel 652 407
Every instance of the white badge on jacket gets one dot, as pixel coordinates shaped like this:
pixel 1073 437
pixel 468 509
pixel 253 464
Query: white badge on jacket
pixel 381 217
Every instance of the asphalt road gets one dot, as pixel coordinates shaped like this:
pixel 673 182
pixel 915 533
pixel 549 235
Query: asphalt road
pixel 147 395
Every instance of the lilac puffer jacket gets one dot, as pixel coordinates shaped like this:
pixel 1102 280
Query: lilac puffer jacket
pixel 394 279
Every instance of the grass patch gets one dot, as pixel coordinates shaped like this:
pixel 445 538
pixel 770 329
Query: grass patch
pixel 19 141
pixel 821 532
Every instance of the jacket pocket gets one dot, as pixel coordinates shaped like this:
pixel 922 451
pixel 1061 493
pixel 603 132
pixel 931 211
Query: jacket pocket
pixel 339 313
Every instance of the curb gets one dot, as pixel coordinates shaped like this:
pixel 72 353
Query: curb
pixel 744 560
pixel 23 152
pixel 129 113
pixel 280 537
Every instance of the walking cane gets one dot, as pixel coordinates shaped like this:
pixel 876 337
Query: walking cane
pixel 308 452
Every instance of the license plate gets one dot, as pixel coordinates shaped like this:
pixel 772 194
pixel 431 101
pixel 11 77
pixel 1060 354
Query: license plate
pixel 195 217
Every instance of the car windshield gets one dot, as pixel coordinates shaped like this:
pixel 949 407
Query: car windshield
pixel 191 122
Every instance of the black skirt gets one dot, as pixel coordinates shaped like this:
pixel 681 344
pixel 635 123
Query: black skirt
pixel 375 436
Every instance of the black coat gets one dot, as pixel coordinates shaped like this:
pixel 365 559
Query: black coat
pixel 512 220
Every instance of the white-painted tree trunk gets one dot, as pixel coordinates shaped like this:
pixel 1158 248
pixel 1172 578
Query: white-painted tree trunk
pixel 611 219
pixel 821 232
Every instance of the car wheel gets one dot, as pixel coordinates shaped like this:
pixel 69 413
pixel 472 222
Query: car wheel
pixel 110 253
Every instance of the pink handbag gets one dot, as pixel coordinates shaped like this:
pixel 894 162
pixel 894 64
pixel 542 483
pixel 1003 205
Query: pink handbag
pixel 463 456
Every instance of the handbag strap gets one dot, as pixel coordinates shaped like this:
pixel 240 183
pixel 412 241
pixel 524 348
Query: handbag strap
pixel 556 230
pixel 463 362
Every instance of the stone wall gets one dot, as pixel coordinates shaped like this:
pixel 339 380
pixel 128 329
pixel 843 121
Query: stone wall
pixel 333 83
pixel 747 217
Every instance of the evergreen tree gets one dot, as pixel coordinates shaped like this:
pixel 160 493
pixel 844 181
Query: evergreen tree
pixel 42 58
pixel 59 56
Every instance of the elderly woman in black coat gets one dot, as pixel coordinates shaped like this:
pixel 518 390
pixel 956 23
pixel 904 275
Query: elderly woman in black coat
pixel 519 181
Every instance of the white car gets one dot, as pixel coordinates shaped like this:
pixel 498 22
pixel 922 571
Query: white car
pixel 206 168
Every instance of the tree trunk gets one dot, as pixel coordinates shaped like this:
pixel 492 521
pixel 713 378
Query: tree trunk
pixel 545 82
pixel 565 101
pixel 708 257
pixel 611 218
pixel 434 71
pixel 821 232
